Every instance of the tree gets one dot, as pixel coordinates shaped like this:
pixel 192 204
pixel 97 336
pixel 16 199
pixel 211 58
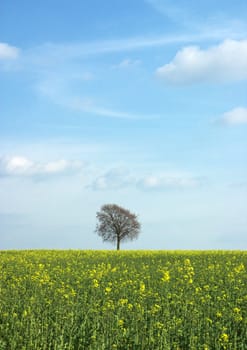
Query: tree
pixel 116 224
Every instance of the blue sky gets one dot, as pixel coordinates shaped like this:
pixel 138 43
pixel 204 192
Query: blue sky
pixel 140 103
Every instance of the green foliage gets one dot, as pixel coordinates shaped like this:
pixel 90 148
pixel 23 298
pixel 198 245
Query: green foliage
pixel 129 300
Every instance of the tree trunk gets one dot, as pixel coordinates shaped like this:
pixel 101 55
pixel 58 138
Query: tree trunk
pixel 118 243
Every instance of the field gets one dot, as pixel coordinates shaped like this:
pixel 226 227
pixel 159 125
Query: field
pixel 123 300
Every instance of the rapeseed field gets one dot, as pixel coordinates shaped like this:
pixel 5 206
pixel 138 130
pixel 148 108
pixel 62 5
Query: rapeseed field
pixel 138 300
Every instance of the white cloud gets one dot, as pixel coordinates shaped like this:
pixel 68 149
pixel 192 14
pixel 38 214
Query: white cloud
pixel 16 165
pixel 97 177
pixel 59 166
pixel 217 64
pixel 235 116
pixel 8 52
pixel 22 166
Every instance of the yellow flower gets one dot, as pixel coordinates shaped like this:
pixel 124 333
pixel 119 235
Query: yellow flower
pixel 239 268
pixel 187 262
pixel 73 292
pixel 95 283
pixel 142 287
pixel 166 276
pixel 237 317
pixel 130 306
pixel 155 309
pixel 123 301
pixel 224 338
pixel 159 325
pixel 120 323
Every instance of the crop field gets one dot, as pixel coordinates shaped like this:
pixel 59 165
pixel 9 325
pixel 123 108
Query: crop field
pixel 150 300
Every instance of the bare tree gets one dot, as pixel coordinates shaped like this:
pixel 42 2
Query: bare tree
pixel 116 224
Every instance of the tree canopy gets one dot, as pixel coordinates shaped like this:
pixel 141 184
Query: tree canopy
pixel 116 224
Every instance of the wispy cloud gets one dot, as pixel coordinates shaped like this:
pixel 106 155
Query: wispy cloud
pixel 59 93
pixel 87 105
pixel 8 52
pixel 118 178
pixel 114 178
pixel 217 64
pixel 169 181
pixel 127 63
pixel 76 50
pixel 175 11
pixel 54 54
pixel 203 15
pixel 21 166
